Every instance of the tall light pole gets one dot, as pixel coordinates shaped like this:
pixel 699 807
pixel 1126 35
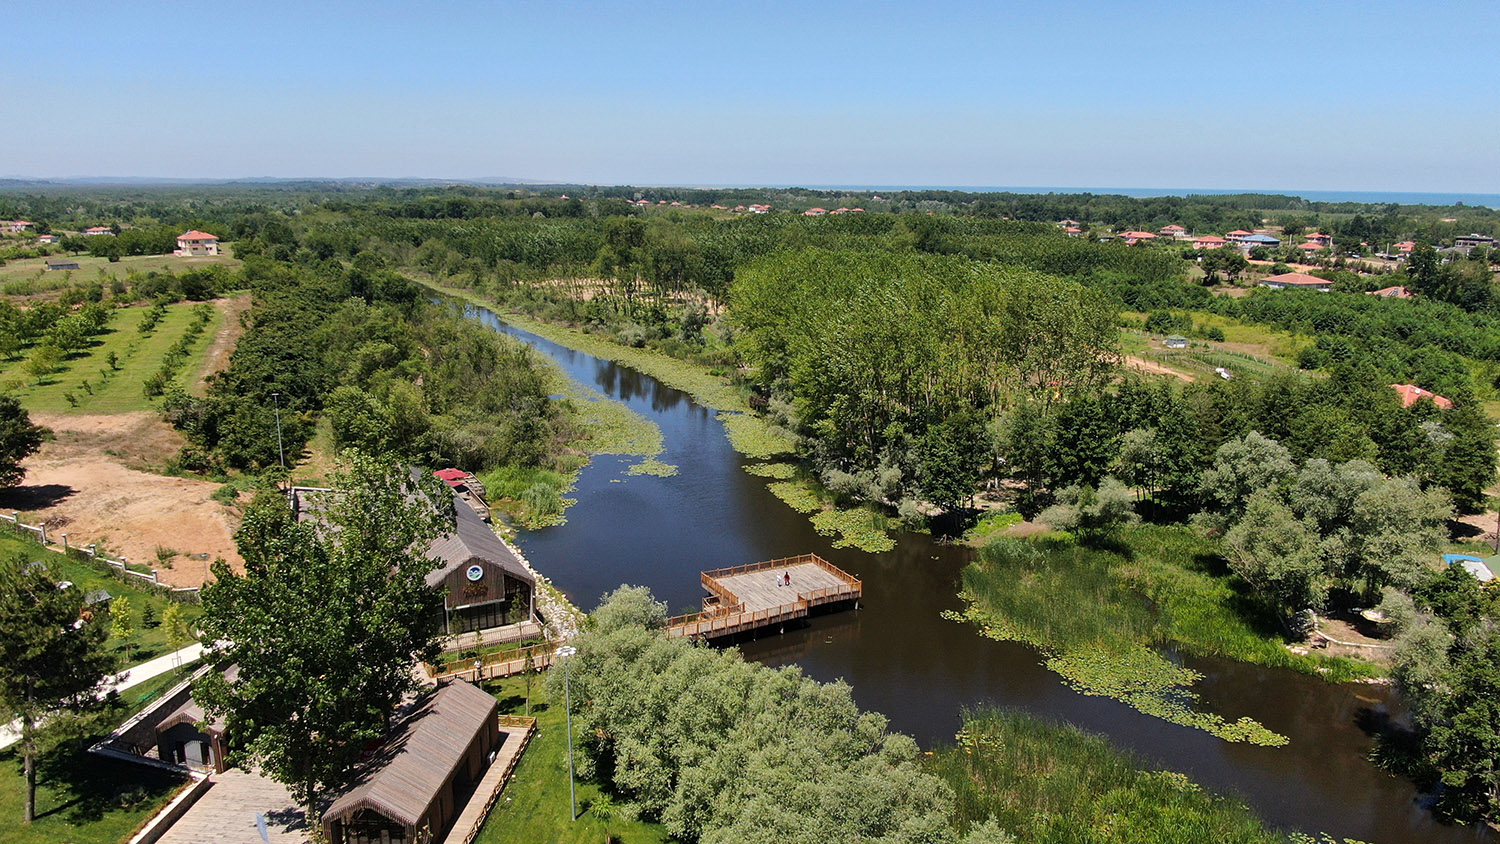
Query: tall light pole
pixel 564 652
pixel 280 453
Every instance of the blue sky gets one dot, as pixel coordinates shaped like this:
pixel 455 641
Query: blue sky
pixel 1330 95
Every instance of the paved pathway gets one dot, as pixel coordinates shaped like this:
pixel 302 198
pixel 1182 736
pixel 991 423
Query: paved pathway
pixel 133 676
pixel 225 814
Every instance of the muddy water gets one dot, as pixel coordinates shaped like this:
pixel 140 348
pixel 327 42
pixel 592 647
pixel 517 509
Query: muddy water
pixel 902 659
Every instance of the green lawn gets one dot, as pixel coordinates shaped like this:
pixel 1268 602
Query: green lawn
pixel 146 642
pixel 81 799
pixel 32 276
pixel 535 804
pixel 139 356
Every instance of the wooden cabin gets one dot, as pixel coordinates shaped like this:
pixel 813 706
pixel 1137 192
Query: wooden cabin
pixel 420 778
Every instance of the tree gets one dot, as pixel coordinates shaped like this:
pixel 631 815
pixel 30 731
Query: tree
pixel 19 439
pixel 1242 467
pixel 1463 742
pixel 1092 514
pixel 1139 459
pixel 52 662
pixel 1277 554
pixel 122 622
pixel 45 360
pixel 175 624
pixel 325 624
pixel 951 458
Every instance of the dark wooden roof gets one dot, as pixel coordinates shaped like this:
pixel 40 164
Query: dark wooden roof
pixel 470 540
pixel 409 770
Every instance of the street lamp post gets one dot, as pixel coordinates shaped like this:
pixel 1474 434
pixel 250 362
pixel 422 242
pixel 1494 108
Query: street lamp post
pixel 280 453
pixel 564 652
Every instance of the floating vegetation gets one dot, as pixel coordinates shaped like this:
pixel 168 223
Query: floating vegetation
pixel 779 471
pixel 856 528
pixel 1150 683
pixel 652 466
pixel 754 437
pixel 797 495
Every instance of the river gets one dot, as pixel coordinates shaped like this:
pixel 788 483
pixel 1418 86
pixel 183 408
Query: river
pixel 904 660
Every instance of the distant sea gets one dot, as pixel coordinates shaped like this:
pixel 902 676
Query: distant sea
pixel 1490 200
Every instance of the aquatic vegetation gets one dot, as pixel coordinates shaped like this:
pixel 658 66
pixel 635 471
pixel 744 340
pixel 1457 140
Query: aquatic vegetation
pixel 654 467
pixel 855 528
pixel 797 495
pixel 778 471
pixel 1049 783
pixel 1101 614
pixel 755 437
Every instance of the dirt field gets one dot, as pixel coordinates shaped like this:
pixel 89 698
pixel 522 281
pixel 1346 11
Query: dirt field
pixel 84 485
pixel 1153 368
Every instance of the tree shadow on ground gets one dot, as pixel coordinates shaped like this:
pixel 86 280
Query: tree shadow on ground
pixel 37 497
pixel 85 787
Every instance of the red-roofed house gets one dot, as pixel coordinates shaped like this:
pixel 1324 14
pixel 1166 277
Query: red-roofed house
pixel 1405 247
pixel 1209 241
pixel 1238 235
pixel 1411 394
pixel 1298 280
pixel 856 210
pixel 17 226
pixel 1321 239
pixel 1397 292
pixel 1074 231
pixel 93 230
pixel 1174 231
pixel 1136 237
pixel 1310 248
pixel 815 212
pixel 195 243
pixel 47 238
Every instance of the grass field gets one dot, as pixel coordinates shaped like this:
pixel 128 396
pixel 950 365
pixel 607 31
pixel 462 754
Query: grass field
pixel 1257 340
pixel 535 804
pixel 138 355
pixel 30 276
pixel 146 642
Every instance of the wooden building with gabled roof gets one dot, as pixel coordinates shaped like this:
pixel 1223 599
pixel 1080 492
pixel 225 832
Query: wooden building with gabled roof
pixel 414 787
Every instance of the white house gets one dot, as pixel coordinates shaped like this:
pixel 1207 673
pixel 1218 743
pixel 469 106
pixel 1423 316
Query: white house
pixel 196 243
pixel 17 226
pixel 94 230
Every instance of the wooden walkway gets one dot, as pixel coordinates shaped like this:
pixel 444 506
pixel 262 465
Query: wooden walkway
pixel 494 666
pixel 517 731
pixel 757 595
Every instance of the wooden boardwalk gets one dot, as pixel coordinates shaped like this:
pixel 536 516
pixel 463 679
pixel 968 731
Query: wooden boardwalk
pixel 758 595
pixel 517 731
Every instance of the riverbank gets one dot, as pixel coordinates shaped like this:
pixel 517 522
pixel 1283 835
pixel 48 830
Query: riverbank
pixel 864 527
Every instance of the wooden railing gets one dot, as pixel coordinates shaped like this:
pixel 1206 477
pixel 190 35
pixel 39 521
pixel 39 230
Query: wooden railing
pixel 724 614
pixel 528 725
pixel 498 664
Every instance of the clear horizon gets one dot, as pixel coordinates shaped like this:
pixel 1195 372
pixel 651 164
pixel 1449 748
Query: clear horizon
pixel 1341 97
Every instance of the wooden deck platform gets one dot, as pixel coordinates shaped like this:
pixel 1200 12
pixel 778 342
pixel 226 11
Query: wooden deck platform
pixel 753 596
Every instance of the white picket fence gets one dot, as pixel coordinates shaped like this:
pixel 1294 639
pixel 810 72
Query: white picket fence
pixel 92 550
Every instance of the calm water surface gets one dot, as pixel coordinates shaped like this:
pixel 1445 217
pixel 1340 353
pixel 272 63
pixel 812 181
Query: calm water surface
pixel 904 660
